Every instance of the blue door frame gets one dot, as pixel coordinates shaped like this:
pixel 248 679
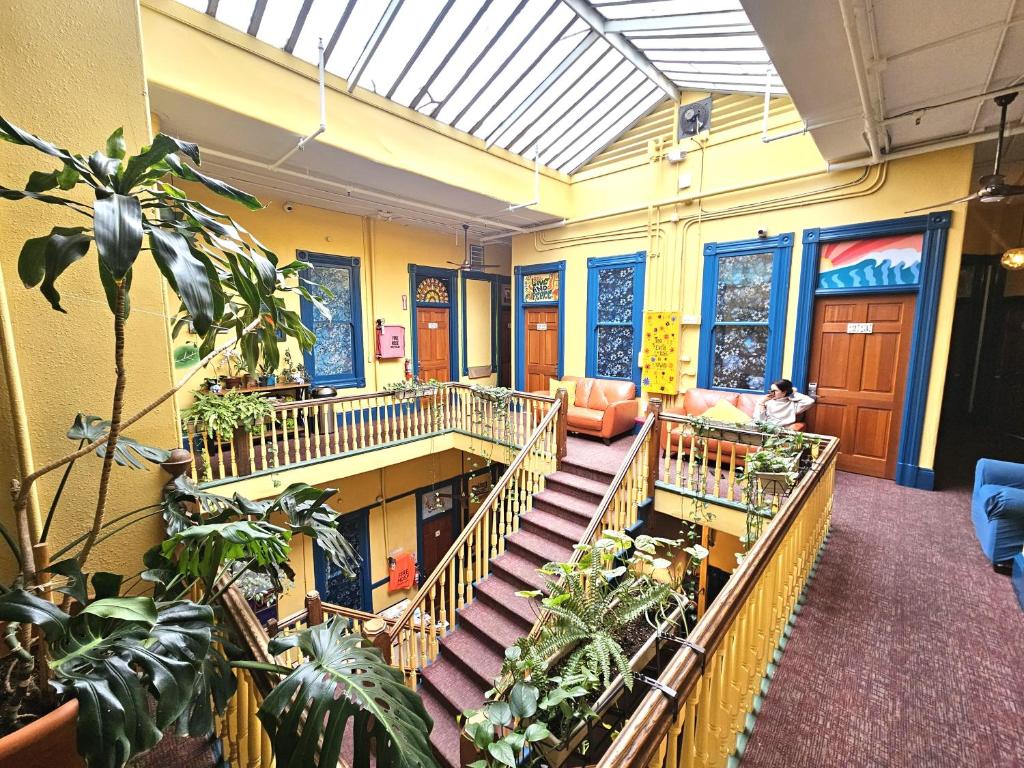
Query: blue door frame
pixel 520 312
pixel 595 265
pixel 455 484
pixel 935 228
pixel 358 520
pixel 495 311
pixel 448 276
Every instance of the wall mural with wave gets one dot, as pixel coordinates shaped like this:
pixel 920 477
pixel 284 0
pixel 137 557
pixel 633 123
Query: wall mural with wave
pixel 876 262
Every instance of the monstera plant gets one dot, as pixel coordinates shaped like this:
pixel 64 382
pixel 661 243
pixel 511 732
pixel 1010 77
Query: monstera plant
pixel 138 655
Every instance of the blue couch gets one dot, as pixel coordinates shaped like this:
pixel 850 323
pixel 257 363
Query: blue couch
pixel 997 509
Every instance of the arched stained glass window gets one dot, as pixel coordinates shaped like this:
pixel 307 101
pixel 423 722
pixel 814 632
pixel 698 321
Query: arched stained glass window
pixel 430 290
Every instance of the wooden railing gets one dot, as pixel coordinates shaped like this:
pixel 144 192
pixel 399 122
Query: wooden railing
pixel 430 614
pixel 306 431
pixel 709 685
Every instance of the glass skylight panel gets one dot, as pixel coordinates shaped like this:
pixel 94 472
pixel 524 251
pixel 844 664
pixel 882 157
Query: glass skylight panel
pixel 278 21
pixel 399 44
pixel 196 5
pixel 619 124
pixel 321 22
pixel 356 32
pixel 616 9
pixel 236 13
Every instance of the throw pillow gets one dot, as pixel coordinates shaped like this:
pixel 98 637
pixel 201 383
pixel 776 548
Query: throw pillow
pixel 727 413
pixel 569 386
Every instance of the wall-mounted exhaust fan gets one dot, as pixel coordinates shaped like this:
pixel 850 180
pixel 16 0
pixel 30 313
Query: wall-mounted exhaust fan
pixel 474 259
pixel 993 187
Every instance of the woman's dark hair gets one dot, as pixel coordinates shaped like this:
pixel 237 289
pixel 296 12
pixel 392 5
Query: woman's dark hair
pixel 785 386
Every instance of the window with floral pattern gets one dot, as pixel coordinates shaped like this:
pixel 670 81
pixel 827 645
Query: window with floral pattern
pixel 430 290
pixel 744 299
pixel 337 355
pixel 615 296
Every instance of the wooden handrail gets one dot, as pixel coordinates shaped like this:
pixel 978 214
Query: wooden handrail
pixel 470 526
pixel 683 672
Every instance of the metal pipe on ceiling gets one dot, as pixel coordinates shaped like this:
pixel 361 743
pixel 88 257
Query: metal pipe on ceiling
pixel 323 115
pixel 853 43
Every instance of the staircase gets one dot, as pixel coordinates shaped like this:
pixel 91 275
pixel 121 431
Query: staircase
pixel 471 656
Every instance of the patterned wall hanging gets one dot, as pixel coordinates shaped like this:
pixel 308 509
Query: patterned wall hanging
pixel 540 287
pixel 875 262
pixel 431 290
pixel 660 356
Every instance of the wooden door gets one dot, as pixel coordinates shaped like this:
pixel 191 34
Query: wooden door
pixel 541 347
pixel 859 353
pixel 433 350
pixel 438 537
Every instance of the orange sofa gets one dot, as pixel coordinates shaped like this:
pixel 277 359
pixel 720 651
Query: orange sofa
pixel 697 401
pixel 603 408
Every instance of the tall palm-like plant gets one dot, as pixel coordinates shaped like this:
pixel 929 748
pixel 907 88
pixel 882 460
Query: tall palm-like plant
pixel 137 664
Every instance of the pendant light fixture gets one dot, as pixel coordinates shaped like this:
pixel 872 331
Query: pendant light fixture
pixel 1013 258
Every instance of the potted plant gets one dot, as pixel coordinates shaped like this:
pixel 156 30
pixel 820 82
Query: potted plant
pixel 231 417
pixel 231 363
pixel 268 378
pixel 96 659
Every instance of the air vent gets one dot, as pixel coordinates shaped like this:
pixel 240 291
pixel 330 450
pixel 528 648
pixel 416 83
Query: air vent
pixel 476 255
pixel 694 118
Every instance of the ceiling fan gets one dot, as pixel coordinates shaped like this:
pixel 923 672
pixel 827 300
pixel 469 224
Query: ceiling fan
pixel 994 188
pixel 467 264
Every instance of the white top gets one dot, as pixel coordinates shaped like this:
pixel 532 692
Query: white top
pixel 785 411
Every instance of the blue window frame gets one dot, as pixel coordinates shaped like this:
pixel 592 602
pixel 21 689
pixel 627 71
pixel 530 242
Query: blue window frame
pixel 336 359
pixel 743 313
pixel 332 584
pixel 615 302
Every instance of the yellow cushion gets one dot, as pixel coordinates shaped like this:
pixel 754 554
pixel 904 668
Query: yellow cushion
pixel 569 386
pixel 727 413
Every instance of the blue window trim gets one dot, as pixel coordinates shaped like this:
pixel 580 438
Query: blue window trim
pixel 782 247
pixel 320 562
pixel 637 260
pixel 520 312
pixel 935 227
pixel 448 276
pixel 308 313
pixel 493 280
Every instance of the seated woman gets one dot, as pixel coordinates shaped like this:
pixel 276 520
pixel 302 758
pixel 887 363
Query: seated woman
pixel 782 404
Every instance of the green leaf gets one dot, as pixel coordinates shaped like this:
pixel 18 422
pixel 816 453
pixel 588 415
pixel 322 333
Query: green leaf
pixel 127 452
pixel 15 135
pixel 345 680
pixel 41 181
pixel 77 586
pixel 106 585
pixel 224 190
pixel 503 753
pixel 32 261
pixel 6 193
pixel 523 699
pixel 513 652
pixel 163 145
pixel 186 274
pixel 118 225
pixel 141 609
pixel 110 289
pixel 536 732
pixel 498 712
pixel 104 168
pixel 25 608
pixel 65 246
pixel 68 177
pixel 115 144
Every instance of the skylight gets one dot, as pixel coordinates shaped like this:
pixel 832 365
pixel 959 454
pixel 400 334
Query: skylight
pixel 553 79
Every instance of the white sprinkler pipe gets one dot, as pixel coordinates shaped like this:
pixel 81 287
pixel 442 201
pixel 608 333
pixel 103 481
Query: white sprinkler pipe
pixel 323 115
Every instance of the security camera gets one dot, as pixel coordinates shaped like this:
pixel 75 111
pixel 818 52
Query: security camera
pixel 288 207
pixel 762 233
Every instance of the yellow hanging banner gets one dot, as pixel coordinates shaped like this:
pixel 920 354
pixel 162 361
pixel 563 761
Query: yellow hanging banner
pixel 660 356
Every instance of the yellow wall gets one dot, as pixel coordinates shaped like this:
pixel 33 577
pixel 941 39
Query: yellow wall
pixel 389 494
pixel 385 250
pixel 674 233
pixel 73 76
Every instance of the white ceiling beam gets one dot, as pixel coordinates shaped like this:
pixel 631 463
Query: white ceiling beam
pixel 371 45
pixel 659 23
pixel 630 52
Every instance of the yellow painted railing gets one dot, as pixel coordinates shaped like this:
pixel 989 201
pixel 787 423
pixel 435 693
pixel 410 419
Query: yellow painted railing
pixel 430 615
pixel 313 430
pixel 716 678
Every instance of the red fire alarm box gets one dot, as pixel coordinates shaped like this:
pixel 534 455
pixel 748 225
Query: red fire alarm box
pixel 390 342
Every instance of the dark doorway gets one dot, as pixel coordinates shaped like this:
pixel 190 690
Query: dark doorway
pixel 983 402
pixel 505 347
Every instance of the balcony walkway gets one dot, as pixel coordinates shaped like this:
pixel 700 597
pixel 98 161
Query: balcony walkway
pixel 909 650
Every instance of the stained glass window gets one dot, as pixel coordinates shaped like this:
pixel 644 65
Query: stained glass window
pixel 336 357
pixel 541 287
pixel 615 291
pixel 738 327
pixel 430 290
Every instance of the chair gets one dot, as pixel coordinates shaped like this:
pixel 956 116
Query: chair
pixel 997 509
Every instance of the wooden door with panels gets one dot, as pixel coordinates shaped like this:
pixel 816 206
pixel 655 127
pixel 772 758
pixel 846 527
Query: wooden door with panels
pixel 860 349
pixel 433 343
pixel 541 347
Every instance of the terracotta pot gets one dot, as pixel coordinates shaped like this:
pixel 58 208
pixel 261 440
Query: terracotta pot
pixel 49 742
pixel 232 382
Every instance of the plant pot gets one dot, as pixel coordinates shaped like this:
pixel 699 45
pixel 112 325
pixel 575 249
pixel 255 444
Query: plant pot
pixel 232 382
pixel 270 380
pixel 49 742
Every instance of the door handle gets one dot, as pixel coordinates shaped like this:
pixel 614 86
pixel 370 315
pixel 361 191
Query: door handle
pixel 812 388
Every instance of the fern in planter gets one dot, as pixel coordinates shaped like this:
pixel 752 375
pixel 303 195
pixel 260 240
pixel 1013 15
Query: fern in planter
pixel 219 415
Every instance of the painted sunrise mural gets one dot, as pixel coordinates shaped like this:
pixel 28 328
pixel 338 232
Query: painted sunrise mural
pixel 875 262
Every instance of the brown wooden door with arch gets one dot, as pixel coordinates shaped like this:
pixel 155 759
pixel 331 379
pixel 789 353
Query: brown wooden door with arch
pixel 859 353
pixel 541 347
pixel 433 343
